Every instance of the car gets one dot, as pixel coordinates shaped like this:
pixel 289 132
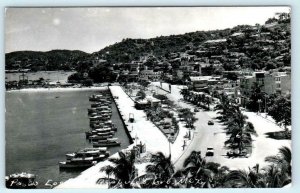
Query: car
pixel 196 110
pixel 210 151
pixel 210 123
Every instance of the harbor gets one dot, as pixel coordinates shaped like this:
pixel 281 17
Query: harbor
pixel 63 133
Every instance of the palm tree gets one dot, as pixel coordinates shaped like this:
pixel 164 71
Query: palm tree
pixel 207 102
pixel 239 179
pixel 108 170
pixel 162 168
pixel 274 177
pixel 197 171
pixel 239 130
pixel 123 170
pixel 254 178
pixel 224 108
pixel 283 162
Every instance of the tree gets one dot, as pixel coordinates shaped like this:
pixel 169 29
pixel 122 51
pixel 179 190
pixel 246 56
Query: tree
pixel 184 93
pixel 144 83
pixel 245 179
pixel 163 170
pixel 240 132
pixel 196 170
pixel 141 95
pixel 123 170
pixel 256 98
pixel 101 74
pixel 283 160
pixel 108 171
pixel 281 111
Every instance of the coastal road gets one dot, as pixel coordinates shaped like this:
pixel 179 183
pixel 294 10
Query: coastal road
pixel 204 135
pixel 213 136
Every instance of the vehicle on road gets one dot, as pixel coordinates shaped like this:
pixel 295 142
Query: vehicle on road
pixel 210 123
pixel 196 110
pixel 210 151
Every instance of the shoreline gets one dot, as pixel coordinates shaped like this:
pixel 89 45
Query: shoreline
pixel 57 89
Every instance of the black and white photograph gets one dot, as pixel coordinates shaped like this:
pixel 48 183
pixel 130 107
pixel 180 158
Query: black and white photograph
pixel 148 97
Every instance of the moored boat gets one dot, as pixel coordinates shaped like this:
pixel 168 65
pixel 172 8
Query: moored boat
pixel 107 143
pixel 76 164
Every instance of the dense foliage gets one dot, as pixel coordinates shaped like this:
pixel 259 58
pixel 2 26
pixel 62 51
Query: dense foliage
pixel 51 60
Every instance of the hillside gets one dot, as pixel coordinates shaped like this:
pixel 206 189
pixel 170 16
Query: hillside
pixel 266 46
pixel 258 47
pixel 51 60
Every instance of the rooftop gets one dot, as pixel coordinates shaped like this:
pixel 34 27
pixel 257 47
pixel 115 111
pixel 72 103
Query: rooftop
pixel 215 41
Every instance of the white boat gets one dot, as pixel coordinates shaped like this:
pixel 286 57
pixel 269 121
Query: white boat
pixel 100 137
pixel 88 152
pixel 76 164
pixel 103 130
pixel 106 143
pixel 74 157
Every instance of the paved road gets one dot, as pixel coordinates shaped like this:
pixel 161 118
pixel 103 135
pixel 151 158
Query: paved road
pixel 204 135
pixel 213 136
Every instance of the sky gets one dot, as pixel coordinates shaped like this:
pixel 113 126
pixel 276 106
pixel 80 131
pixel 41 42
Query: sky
pixel 92 28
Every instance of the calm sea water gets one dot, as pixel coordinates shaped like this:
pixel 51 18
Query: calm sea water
pixel 41 127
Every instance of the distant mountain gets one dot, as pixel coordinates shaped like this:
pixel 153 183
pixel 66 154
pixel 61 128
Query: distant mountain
pixel 50 60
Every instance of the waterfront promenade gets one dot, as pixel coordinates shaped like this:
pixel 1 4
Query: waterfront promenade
pixel 141 130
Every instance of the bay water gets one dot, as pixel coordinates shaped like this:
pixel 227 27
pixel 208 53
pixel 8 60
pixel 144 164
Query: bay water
pixel 41 127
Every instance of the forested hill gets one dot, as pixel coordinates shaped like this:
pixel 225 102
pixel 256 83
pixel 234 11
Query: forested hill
pixel 246 46
pixel 260 44
pixel 130 49
pixel 50 60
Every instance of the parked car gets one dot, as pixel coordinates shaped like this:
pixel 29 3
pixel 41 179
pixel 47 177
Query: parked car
pixel 209 151
pixel 196 110
pixel 210 123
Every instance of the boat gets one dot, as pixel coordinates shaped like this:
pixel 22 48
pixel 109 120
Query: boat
pixel 79 164
pixel 92 110
pixel 21 181
pixel 107 143
pixel 100 156
pixel 103 130
pixel 87 152
pixel 95 97
pixel 99 137
pixel 95 118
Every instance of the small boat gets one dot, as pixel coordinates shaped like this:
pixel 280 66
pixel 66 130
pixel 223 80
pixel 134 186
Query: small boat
pixel 87 152
pixel 107 143
pixel 79 164
pixel 21 181
pixel 95 118
pixel 103 130
pixel 80 157
pixel 92 110
pixel 99 137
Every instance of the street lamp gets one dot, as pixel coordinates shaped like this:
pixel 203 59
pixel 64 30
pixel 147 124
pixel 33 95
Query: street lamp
pixel 259 102
pixel 169 139
pixel 189 120
pixel 266 103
